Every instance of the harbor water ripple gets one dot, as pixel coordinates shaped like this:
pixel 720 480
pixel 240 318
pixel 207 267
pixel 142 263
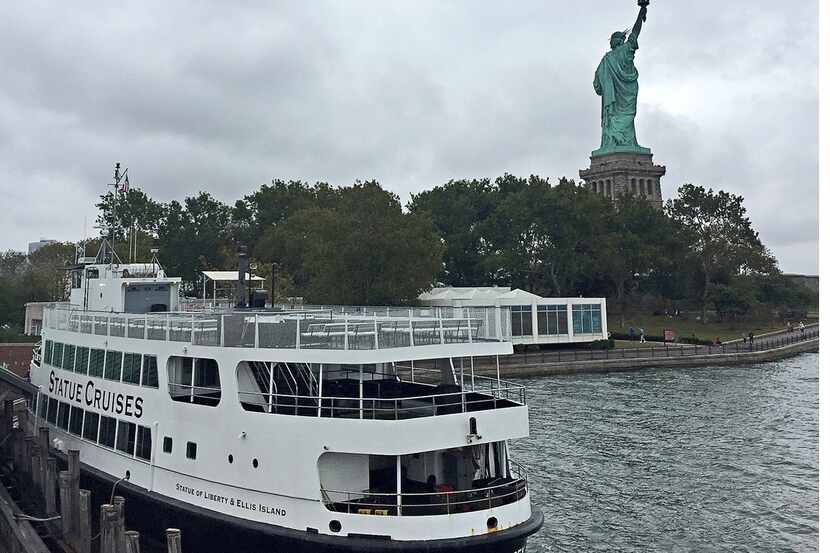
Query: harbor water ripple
pixel 703 459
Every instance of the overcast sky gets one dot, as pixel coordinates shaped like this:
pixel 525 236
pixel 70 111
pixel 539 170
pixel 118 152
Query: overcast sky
pixel 223 98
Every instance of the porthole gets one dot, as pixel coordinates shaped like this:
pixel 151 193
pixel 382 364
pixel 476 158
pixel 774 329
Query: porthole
pixel 256 463
pixel 492 523
pixel 127 476
pixel 335 526
pixel 230 458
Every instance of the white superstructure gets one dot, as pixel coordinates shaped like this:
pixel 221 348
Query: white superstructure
pixel 371 423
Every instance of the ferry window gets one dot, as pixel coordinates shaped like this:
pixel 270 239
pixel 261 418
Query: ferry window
pixel 63 415
pixel 150 372
pixel 552 319
pixel 91 426
pixel 76 420
pixel 191 450
pixel 76 279
pixel 68 357
pixel 91 273
pixel 52 415
pixel 143 443
pixel 521 317
pixel 96 363
pixel 106 434
pixel 167 445
pixel 132 368
pixel 47 352
pixel 126 437
pixel 57 355
pixel 194 380
pixel 81 360
pixel 112 369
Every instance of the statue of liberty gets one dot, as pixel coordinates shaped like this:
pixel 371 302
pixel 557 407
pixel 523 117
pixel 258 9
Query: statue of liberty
pixel 616 81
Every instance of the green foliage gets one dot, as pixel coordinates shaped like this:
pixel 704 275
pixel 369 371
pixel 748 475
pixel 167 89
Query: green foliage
pixel 721 240
pixel 357 245
pixel 193 237
pixel 602 344
pixel 363 249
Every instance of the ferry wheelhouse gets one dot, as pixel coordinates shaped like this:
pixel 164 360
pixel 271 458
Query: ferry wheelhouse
pixel 324 429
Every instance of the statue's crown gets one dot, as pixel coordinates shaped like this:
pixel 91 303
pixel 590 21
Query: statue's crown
pixel 620 35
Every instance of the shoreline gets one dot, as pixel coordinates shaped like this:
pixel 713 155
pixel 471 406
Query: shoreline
pixel 598 366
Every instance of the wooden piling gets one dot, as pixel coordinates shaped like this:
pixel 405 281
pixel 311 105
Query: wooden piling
pixel 109 518
pixel 133 543
pixel 66 518
pixel 120 539
pixel 50 485
pixel 73 457
pixel 85 530
pixel 26 457
pixel 34 466
pixel 8 417
pixel 174 540
pixel 43 442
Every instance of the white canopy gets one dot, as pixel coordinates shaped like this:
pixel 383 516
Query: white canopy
pixel 229 276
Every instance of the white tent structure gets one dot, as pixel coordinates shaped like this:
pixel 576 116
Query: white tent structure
pixel 534 319
pixel 225 282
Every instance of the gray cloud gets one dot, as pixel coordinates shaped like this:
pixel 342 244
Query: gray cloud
pixel 219 98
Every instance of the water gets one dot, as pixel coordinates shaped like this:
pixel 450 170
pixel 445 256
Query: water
pixel 707 459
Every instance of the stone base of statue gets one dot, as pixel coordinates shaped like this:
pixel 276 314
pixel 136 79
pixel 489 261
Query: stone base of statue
pixel 629 171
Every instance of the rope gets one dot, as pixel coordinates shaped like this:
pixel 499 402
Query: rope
pixel 23 516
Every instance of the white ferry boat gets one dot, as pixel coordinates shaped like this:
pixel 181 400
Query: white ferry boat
pixel 331 429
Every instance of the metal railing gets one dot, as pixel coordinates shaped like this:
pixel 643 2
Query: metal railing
pixel 662 351
pixel 429 503
pixel 386 408
pixel 319 329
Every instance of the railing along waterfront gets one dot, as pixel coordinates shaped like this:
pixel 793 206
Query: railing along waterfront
pixel 315 329
pixel 367 502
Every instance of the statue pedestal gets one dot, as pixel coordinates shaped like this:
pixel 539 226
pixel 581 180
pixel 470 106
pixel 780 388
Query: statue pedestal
pixel 614 174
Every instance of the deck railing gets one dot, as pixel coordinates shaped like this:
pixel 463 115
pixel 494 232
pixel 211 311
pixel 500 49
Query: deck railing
pixel 429 503
pixel 380 408
pixel 317 329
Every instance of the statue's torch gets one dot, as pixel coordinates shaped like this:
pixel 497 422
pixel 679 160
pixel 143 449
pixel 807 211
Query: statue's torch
pixel 643 4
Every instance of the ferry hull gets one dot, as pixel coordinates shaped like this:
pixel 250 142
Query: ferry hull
pixel 206 531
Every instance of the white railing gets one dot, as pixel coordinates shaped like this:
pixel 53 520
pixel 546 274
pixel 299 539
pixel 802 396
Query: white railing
pixel 504 491
pixel 314 329
pixel 384 408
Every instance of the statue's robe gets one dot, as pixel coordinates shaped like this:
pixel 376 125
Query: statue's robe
pixel 616 81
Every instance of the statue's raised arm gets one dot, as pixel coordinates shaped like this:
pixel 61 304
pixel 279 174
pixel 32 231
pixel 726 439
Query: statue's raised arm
pixel 638 25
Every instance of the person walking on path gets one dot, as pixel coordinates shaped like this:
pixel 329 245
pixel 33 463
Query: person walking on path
pixel 642 336
pixel 801 327
pixel 751 339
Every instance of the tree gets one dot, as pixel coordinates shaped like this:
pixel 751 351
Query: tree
pixel 720 236
pixel 194 237
pixel 364 249
pixel 459 209
pixel 133 209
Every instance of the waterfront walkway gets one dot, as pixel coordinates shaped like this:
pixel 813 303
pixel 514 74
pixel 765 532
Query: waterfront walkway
pixel 767 347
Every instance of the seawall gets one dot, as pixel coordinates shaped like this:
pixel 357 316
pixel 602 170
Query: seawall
pixel 635 363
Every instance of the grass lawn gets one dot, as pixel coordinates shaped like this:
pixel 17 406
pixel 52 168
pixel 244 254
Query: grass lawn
pixel 686 328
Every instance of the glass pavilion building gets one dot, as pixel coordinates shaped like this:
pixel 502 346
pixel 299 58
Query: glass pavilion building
pixel 533 319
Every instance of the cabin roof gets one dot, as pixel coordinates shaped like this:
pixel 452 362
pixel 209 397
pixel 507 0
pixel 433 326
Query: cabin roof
pixel 228 276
